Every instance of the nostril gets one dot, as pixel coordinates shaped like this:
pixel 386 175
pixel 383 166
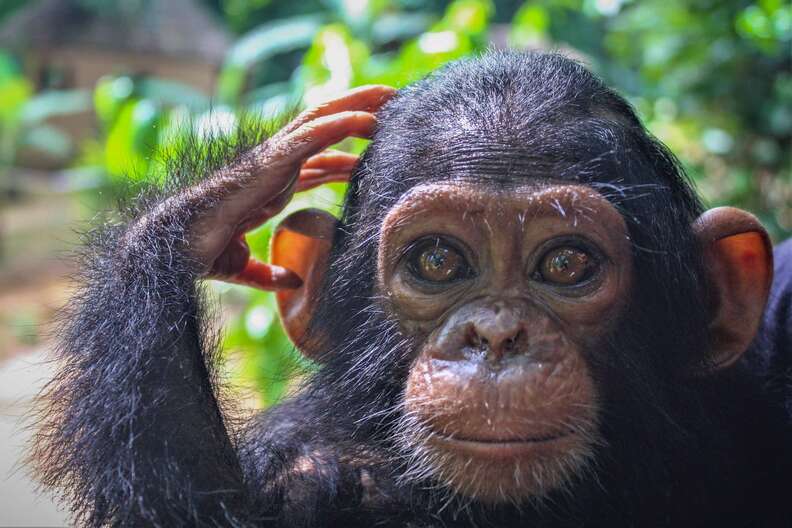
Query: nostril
pixel 512 344
pixel 496 338
pixel 476 340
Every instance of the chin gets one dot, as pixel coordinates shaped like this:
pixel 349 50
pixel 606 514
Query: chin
pixel 511 471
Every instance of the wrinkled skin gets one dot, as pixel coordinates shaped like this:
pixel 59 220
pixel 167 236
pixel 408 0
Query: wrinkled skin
pixel 501 384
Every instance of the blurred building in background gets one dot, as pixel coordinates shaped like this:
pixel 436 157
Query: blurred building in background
pixel 64 46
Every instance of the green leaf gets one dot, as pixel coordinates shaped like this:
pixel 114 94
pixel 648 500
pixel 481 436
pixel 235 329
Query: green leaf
pixel 231 83
pixel 55 103
pixel 49 140
pixel 132 139
pixel 396 27
pixel 146 118
pixel 468 16
pixel 9 69
pixel 14 92
pixel 530 25
pixel 329 66
pixel 273 38
pixel 754 23
pixel 268 91
pixel 110 95
pixel 258 321
pixel 262 44
pixel 172 93
pixel 358 13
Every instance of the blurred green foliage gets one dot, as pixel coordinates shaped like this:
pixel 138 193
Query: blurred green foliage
pixel 24 118
pixel 711 78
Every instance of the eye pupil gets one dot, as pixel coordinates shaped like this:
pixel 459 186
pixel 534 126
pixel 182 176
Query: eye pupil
pixel 437 263
pixel 436 259
pixel 566 266
pixel 560 263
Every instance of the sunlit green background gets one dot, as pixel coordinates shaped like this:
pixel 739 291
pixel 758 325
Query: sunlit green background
pixel 711 78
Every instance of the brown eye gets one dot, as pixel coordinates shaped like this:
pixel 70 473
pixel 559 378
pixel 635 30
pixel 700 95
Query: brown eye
pixel 438 262
pixel 566 266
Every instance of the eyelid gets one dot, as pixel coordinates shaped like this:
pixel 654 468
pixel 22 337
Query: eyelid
pixel 448 240
pixel 579 242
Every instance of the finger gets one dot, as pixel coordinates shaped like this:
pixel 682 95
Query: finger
pixel 315 136
pixel 308 141
pixel 331 160
pixel 311 178
pixel 266 277
pixel 326 167
pixel 367 98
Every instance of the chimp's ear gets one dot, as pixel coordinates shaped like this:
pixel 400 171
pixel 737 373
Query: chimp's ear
pixel 302 244
pixel 738 257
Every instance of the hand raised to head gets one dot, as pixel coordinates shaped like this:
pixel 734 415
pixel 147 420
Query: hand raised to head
pixel 261 183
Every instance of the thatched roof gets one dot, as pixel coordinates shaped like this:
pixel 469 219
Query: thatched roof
pixel 166 27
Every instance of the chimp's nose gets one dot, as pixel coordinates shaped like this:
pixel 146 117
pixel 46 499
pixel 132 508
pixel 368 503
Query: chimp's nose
pixel 498 332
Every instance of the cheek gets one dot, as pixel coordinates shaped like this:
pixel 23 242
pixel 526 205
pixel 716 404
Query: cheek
pixel 410 305
pixel 590 319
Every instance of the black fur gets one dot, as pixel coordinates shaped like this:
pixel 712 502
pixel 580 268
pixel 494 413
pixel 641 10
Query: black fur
pixel 133 435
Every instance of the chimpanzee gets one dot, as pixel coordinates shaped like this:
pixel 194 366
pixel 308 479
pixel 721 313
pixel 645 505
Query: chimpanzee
pixel 523 317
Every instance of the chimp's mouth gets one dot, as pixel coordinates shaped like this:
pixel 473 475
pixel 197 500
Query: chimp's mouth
pixel 506 440
pixel 506 447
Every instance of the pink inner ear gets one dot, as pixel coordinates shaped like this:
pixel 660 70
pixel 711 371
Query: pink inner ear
pixel 295 252
pixel 301 254
pixel 742 270
pixel 747 259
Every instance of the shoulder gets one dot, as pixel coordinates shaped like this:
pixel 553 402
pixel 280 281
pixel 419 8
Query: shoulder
pixel 783 261
pixel 778 315
pixel 771 354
